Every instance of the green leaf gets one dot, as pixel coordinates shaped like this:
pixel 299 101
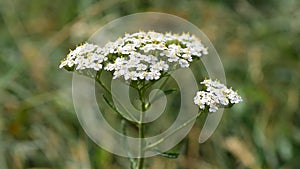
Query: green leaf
pixel 170 91
pixel 166 92
pixel 169 155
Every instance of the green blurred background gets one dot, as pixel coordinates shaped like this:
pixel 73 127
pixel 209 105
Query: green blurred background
pixel 258 42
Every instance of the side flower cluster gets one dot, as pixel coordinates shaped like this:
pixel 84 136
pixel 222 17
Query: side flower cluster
pixel 215 95
pixel 141 55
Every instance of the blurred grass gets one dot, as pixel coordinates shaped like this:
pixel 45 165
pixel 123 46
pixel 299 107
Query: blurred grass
pixel 258 42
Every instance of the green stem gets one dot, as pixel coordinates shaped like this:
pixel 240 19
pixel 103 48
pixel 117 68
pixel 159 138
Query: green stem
pixel 125 142
pixel 171 133
pixel 161 86
pixel 141 129
pixel 141 148
pixel 98 79
pixel 165 81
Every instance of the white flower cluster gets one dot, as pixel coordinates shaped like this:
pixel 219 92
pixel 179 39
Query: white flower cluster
pixel 215 95
pixel 86 56
pixel 141 55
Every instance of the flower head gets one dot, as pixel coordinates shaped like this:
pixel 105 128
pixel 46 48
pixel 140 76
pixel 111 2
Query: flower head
pixel 215 95
pixel 140 55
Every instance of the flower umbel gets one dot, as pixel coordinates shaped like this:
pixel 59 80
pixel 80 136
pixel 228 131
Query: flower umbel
pixel 138 56
pixel 215 95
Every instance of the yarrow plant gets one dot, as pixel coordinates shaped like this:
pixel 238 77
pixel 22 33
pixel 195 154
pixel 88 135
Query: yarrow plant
pixel 142 59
